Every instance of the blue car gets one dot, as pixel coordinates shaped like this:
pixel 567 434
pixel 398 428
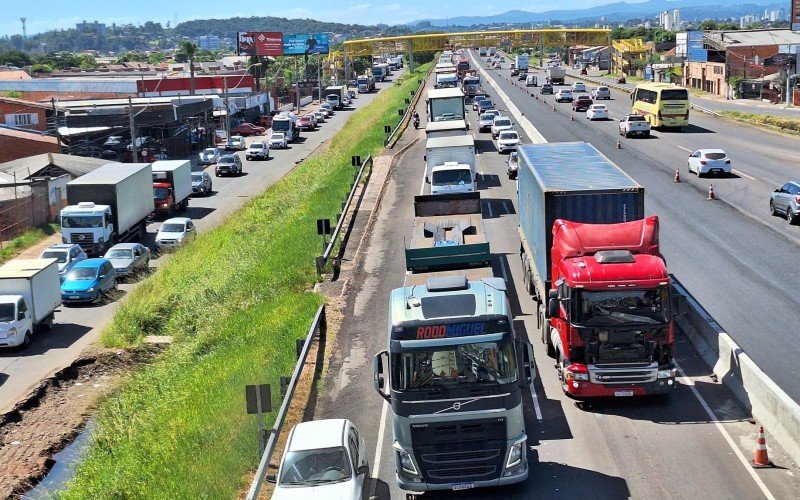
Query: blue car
pixel 88 281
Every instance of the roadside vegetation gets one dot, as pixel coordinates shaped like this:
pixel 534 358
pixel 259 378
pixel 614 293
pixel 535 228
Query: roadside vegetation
pixel 790 125
pixel 26 240
pixel 234 302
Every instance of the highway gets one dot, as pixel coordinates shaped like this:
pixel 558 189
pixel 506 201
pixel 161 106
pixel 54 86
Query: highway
pixel 78 327
pixel 695 444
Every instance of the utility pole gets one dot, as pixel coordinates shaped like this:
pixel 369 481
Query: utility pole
pixel 227 107
pixel 319 76
pixel 55 124
pixel 133 132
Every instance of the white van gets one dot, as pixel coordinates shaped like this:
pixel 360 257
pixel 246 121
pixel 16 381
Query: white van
pixel 531 81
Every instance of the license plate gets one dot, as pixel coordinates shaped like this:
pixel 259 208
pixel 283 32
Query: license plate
pixel 462 486
pixel 623 393
pixel 74 297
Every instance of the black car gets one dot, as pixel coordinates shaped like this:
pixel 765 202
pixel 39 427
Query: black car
pixel 547 89
pixel 228 165
pixel 484 105
pixel 522 75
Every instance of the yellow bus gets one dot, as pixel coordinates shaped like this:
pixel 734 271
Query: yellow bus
pixel 662 104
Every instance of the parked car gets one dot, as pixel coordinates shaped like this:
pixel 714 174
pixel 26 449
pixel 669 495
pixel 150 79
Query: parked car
pixel 578 87
pixel 564 95
pixel 322 459
pixel 486 120
pixel 320 116
pixel 547 89
pixel 174 232
pixel 278 140
pixel 581 103
pixel 201 183
pixel 66 254
pixel 513 165
pixel 484 106
pixel 248 129
pixel 235 143
pixel 709 161
pixel 129 258
pixel 258 150
pixel 89 281
pixel 785 201
pixel 601 92
pixel 500 124
pixel 209 156
pixel 114 143
pixel 597 112
pixel 507 141
pixel 229 165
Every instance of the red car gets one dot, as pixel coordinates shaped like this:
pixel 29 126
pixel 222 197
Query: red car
pixel 247 129
pixel 305 123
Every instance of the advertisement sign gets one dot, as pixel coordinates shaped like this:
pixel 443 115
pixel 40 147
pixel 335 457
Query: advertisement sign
pixel 260 43
pixel 696 52
pixel 298 45
pixel 795 19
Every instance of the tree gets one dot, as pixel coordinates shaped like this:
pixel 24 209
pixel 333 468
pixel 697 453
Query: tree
pixel 15 58
pixel 156 57
pixel 41 68
pixel 86 61
pixel 189 48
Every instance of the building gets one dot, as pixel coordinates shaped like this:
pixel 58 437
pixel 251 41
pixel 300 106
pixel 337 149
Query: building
pixel 93 27
pixel 19 114
pixel 625 54
pixel 746 21
pixel 209 42
pixel 15 144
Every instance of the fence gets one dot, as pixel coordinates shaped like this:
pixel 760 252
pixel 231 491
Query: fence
pixel 30 209
pixel 318 325
pixel 322 260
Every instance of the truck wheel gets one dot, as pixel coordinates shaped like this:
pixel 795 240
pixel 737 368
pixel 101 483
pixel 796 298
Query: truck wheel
pixel 26 342
pixel 47 324
pixel 560 368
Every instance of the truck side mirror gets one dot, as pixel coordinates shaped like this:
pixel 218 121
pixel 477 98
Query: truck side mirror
pixel 528 363
pixel 364 469
pixel 377 374
pixel 20 315
pixel 680 305
pixel 552 308
pixel 271 478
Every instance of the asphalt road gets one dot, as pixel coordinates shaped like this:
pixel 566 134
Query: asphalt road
pixel 79 327
pixel 695 444
pixel 735 258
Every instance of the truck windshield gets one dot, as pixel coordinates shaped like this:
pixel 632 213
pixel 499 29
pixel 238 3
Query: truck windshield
pixel 278 124
pixel 81 221
pixel 311 467
pixel 622 306
pixel 6 313
pixel 452 177
pixel 160 193
pixel 480 363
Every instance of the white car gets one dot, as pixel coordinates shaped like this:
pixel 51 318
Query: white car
pixel 235 143
pixel 499 124
pixel 174 232
pixel 513 165
pixel 258 150
pixel 209 156
pixel 507 141
pixel 709 161
pixel 67 255
pixel 320 116
pixel 322 459
pixel 578 87
pixel 278 140
pixel 564 95
pixel 597 112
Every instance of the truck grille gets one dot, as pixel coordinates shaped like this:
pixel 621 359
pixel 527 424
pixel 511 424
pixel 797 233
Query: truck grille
pixel 626 375
pixel 81 238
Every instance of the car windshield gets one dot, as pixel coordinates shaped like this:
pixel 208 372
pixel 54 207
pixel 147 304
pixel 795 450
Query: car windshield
pixel 313 467
pixel 61 257
pixel 81 221
pixel 487 116
pixel 256 145
pixel 197 176
pixel 599 107
pixel 602 89
pixel 502 123
pixel 209 152
pixel 119 253
pixel 622 306
pixel 478 363
pixel 7 312
pixel 82 273
pixel 715 156
pixel 172 227
pixel 486 104
pixel 508 136
pixel 636 118
pixel 160 193
pixel 227 159
pixel 452 177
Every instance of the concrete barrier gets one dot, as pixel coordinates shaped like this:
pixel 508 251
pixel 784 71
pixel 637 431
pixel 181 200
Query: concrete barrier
pixel 757 393
pixel 306 100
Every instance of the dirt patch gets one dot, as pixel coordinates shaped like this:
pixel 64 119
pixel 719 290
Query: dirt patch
pixel 55 412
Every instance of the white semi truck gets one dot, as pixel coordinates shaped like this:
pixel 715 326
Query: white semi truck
pixel 30 292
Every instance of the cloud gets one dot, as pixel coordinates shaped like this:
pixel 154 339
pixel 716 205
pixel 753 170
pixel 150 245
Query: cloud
pixel 359 7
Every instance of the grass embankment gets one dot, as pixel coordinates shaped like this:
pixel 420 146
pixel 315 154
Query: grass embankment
pixel 781 124
pixel 26 240
pixel 235 301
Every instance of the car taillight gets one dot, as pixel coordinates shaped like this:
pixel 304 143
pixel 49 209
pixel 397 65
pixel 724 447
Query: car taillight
pixel 659 114
pixel 727 162
pixel 797 199
pixel 702 162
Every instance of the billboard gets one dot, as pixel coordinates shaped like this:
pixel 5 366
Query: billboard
pixel 795 18
pixel 298 45
pixel 259 43
pixel 696 52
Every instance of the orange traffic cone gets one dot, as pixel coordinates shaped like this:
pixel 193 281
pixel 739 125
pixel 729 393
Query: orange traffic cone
pixel 619 144
pixel 677 175
pixel 761 459
pixel 711 193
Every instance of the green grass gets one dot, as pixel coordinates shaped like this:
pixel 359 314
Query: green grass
pixel 26 240
pixel 235 301
pixel 789 125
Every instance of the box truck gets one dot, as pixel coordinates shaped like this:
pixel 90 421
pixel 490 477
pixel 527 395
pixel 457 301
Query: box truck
pixel 172 185
pixel 30 292
pixel 450 164
pixel 445 104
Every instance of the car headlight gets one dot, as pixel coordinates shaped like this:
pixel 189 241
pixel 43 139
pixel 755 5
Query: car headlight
pixel 90 290
pixel 669 373
pixel 515 454
pixel 406 462
pixel 12 332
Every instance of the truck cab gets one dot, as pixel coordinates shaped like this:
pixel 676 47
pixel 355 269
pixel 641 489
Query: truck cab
pixel 16 323
pixel 89 225
pixel 453 177
pixel 286 122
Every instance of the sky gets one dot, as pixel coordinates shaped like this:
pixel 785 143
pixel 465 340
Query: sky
pixel 60 14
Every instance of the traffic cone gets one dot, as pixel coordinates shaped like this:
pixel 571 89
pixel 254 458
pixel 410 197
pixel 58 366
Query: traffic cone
pixel 677 175
pixel 554 107
pixel 762 458
pixel 711 193
pixel 619 144
pixel 572 117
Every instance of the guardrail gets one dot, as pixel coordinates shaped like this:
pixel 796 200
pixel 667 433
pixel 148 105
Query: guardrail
pixel 408 111
pixel 319 324
pixel 322 260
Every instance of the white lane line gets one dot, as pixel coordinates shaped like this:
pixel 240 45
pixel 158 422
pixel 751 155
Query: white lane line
pixel 376 466
pixel 422 187
pixel 725 434
pixel 742 174
pixel 489 205
pixel 687 150
pixel 505 208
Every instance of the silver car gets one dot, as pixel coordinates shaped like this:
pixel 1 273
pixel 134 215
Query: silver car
pixel 601 93
pixel 129 258
pixel 66 254
pixel 785 201
pixel 209 156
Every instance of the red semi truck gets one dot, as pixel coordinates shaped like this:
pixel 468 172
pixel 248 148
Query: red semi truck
pixel 592 262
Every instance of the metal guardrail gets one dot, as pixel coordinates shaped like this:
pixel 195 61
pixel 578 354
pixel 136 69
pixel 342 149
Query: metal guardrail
pixel 322 260
pixel 319 323
pixel 409 109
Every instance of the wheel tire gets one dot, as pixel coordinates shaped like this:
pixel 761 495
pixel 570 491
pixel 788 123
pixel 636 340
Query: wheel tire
pixel 790 217
pixel 772 210
pixel 26 341
pixel 560 369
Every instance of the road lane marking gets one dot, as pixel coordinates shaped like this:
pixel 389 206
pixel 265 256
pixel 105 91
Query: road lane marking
pixel 376 466
pixel 422 187
pixel 742 174
pixel 725 434
pixel 687 150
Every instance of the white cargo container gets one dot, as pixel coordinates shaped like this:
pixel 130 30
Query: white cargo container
pixel 176 177
pixel 440 150
pixel 448 128
pixel 30 292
